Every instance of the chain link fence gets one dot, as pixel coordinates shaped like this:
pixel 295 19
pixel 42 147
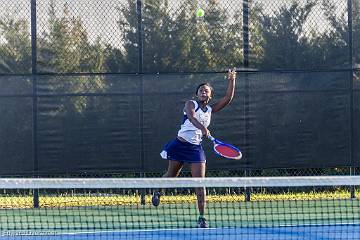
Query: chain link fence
pixel 167 36
pixel 58 58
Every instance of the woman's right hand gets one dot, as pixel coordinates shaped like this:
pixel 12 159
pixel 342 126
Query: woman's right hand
pixel 205 132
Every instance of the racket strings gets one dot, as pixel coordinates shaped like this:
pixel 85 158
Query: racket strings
pixel 227 151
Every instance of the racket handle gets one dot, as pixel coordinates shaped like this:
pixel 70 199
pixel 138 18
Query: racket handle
pixel 211 137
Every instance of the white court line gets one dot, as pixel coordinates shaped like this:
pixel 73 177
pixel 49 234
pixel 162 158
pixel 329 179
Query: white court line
pixel 201 229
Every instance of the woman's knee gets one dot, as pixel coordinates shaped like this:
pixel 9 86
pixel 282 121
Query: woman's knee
pixel 198 169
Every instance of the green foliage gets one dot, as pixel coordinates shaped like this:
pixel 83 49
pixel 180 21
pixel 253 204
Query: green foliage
pixel 176 40
pixel 288 44
pixel 333 44
pixel 114 60
pixel 66 46
pixel 256 37
pixel 356 32
pixel 285 40
pixel 128 25
pixel 15 52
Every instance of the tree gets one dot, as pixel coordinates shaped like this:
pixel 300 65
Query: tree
pixel 175 39
pixel 115 60
pixel 65 46
pixel 332 47
pixel 256 38
pixel 128 26
pixel 16 112
pixel 15 52
pixel 285 40
pixel 356 32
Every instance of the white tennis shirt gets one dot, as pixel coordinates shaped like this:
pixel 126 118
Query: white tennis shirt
pixel 191 133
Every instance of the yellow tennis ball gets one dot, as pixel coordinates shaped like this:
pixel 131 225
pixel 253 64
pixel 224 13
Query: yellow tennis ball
pixel 200 12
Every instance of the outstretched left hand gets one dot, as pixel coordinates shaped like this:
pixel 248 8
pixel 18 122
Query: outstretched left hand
pixel 232 74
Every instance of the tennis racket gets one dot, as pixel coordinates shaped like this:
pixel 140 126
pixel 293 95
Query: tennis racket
pixel 225 150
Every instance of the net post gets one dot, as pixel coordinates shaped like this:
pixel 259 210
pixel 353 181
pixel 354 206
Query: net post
pixel 142 191
pixel 36 198
pixel 352 188
pixel 247 189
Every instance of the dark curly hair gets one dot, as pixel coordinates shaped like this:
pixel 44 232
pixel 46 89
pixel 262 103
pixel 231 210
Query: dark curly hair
pixel 205 84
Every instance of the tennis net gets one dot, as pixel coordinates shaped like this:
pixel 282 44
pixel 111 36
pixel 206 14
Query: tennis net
pixel 237 208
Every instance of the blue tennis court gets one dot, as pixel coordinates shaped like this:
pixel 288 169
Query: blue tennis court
pixel 317 232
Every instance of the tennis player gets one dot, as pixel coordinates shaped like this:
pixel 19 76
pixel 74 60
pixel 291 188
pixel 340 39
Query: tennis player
pixel 186 147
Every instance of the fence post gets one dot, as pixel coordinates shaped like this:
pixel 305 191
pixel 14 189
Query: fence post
pixel 247 96
pixel 141 95
pixel 351 74
pixel 246 32
pixel 34 98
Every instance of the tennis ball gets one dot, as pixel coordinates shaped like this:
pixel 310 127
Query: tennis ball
pixel 200 12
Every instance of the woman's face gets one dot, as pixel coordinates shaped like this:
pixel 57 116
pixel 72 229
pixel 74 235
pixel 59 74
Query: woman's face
pixel 204 93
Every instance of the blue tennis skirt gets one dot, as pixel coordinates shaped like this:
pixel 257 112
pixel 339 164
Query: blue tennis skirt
pixel 183 152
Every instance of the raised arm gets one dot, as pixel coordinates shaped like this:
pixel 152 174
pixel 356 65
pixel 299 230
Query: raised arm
pixel 229 92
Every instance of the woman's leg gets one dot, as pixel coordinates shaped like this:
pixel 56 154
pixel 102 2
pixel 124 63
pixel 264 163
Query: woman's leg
pixel 174 169
pixel 198 170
